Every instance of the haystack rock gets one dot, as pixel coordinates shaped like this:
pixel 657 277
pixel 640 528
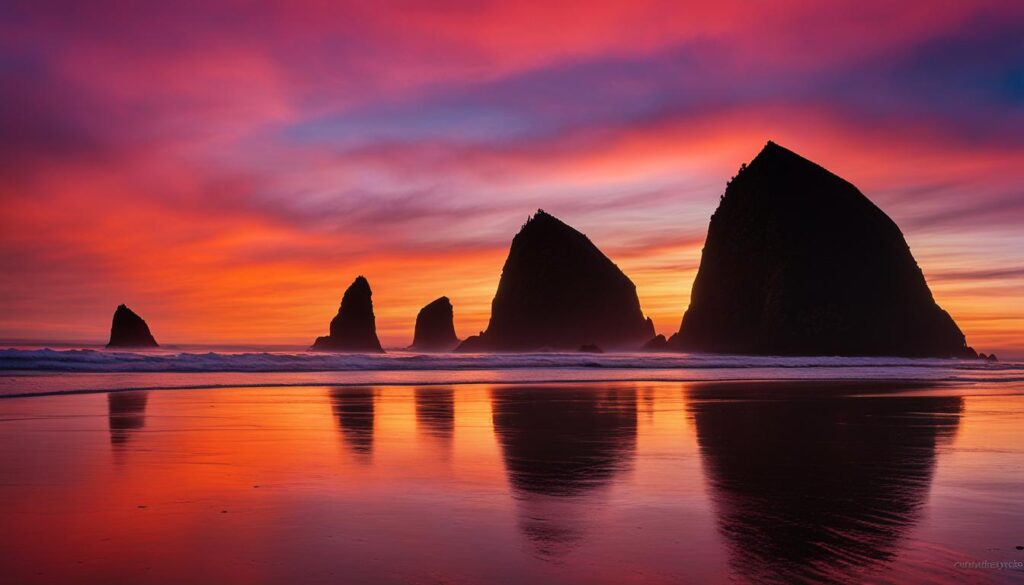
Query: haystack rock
pixel 558 291
pixel 797 261
pixel 129 330
pixel 435 327
pixel 354 328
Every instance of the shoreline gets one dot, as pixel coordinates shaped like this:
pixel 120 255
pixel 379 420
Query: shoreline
pixel 27 373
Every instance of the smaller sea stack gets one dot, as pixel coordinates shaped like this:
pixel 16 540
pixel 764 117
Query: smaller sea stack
pixel 558 291
pixel 354 328
pixel 656 343
pixel 435 327
pixel 129 330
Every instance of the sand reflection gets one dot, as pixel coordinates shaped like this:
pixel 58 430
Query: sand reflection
pixel 126 415
pixel 812 485
pixel 353 408
pixel 560 446
pixel 435 412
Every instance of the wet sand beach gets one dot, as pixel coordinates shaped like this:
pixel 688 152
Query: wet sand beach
pixel 603 482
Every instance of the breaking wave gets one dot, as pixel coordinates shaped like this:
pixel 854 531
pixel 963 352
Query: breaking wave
pixel 87 360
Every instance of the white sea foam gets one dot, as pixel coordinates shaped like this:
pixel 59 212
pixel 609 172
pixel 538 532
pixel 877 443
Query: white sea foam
pixel 46 371
pixel 87 360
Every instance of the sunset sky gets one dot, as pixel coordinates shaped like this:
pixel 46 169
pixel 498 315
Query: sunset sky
pixel 227 168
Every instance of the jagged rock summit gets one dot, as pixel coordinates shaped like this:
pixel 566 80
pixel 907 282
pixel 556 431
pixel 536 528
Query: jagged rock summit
pixel 558 291
pixel 435 327
pixel 129 330
pixel 797 261
pixel 354 328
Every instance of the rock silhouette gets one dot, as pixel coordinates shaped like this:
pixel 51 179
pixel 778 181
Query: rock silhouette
pixel 656 343
pixel 129 330
pixel 354 327
pixel 797 261
pixel 473 344
pixel 435 327
pixel 558 291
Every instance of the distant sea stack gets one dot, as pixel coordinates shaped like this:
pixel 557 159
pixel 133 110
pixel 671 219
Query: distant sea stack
pixel 797 261
pixel 129 330
pixel 354 328
pixel 656 343
pixel 558 291
pixel 435 327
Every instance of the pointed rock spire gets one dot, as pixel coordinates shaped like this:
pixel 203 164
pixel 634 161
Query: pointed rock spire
pixel 354 328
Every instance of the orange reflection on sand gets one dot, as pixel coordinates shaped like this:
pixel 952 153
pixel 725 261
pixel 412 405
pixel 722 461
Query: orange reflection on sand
pixel 580 482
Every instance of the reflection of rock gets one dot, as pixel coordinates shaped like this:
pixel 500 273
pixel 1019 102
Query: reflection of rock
pixel 126 413
pixel 129 330
pixel 560 445
pixel 353 407
pixel 435 411
pixel 810 484
pixel 435 327
pixel 354 328
pixel 557 290
pixel 799 262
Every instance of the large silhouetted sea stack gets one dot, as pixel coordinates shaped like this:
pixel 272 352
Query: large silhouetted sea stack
pixel 558 291
pixel 799 262
pixel 354 327
pixel 435 327
pixel 129 330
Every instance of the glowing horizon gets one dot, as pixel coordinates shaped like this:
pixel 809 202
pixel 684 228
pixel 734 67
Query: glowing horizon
pixel 226 171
